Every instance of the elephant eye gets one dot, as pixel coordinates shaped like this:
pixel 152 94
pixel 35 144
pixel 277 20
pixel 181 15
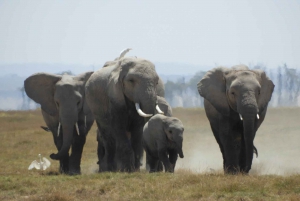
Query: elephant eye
pixel 258 92
pixel 131 80
pixel 232 93
pixel 170 131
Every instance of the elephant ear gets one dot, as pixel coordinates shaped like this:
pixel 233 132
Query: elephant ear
pixel 160 89
pixel 115 86
pixel 266 90
pixel 84 78
pixel 40 87
pixel 212 87
pixel 164 122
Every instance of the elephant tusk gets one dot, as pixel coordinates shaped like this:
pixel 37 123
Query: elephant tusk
pixel 159 110
pixel 140 112
pixel 58 129
pixel 257 116
pixel 122 54
pixel 77 128
pixel 241 117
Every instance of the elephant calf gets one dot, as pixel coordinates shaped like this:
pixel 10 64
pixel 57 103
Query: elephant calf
pixel 162 141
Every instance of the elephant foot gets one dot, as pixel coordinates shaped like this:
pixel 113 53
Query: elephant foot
pixel 63 170
pixel 74 172
pixel 231 170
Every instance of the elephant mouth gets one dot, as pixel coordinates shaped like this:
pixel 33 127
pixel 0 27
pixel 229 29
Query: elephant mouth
pixel 59 125
pixel 140 111
pixel 241 117
pixel 143 114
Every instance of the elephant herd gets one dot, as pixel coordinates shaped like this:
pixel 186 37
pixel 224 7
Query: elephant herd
pixel 126 100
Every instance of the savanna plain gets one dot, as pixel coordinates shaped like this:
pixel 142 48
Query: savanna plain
pixel 198 176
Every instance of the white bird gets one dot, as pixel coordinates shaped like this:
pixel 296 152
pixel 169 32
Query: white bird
pixel 42 165
pixel 123 52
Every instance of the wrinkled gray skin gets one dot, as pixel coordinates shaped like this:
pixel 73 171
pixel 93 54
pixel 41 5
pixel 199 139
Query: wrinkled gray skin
pixel 163 105
pixel 111 94
pixel 162 141
pixel 228 93
pixel 62 99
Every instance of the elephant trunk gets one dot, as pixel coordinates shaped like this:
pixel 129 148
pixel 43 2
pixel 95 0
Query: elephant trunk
pixel 249 133
pixel 146 104
pixel 67 132
pixel 178 142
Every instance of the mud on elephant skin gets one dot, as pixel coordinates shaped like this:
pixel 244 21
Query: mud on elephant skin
pixel 162 141
pixel 65 113
pixel 122 97
pixel 235 101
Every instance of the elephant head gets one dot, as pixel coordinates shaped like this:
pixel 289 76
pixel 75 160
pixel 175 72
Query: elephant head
pixel 62 97
pixel 173 128
pixel 239 93
pixel 134 80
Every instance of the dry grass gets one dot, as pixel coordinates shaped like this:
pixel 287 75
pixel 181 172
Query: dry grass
pixel 274 176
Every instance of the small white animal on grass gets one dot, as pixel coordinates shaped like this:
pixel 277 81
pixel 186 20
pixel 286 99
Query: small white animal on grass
pixel 42 165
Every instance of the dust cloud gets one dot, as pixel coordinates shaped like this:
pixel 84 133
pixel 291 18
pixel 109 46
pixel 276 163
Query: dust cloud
pixel 277 141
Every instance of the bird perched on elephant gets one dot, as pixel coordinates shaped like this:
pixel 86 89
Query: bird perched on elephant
pixel 162 141
pixel 122 96
pixel 235 101
pixel 65 112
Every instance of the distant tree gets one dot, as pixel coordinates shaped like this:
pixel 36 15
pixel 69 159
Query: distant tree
pixel 292 84
pixel 192 84
pixel 279 83
pixel 22 90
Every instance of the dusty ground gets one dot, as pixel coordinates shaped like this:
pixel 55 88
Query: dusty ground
pixel 197 177
pixel 277 141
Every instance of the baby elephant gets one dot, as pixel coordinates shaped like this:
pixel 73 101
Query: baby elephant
pixel 162 141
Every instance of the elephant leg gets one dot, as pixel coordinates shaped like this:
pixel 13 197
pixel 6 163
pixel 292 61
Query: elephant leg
pixel 101 154
pixel 216 134
pixel 152 162
pixel 162 153
pixel 227 138
pixel 110 158
pixel 75 157
pixel 137 146
pixel 160 166
pixel 106 149
pixel 124 154
pixel 173 155
pixel 64 165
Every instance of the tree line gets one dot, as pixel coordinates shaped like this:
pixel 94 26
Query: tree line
pixel 184 93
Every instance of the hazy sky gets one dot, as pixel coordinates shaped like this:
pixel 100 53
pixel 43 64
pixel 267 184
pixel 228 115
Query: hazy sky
pixel 212 32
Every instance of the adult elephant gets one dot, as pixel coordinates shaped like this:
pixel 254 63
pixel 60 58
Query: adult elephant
pixel 235 102
pixel 65 112
pixel 122 97
pixel 165 109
